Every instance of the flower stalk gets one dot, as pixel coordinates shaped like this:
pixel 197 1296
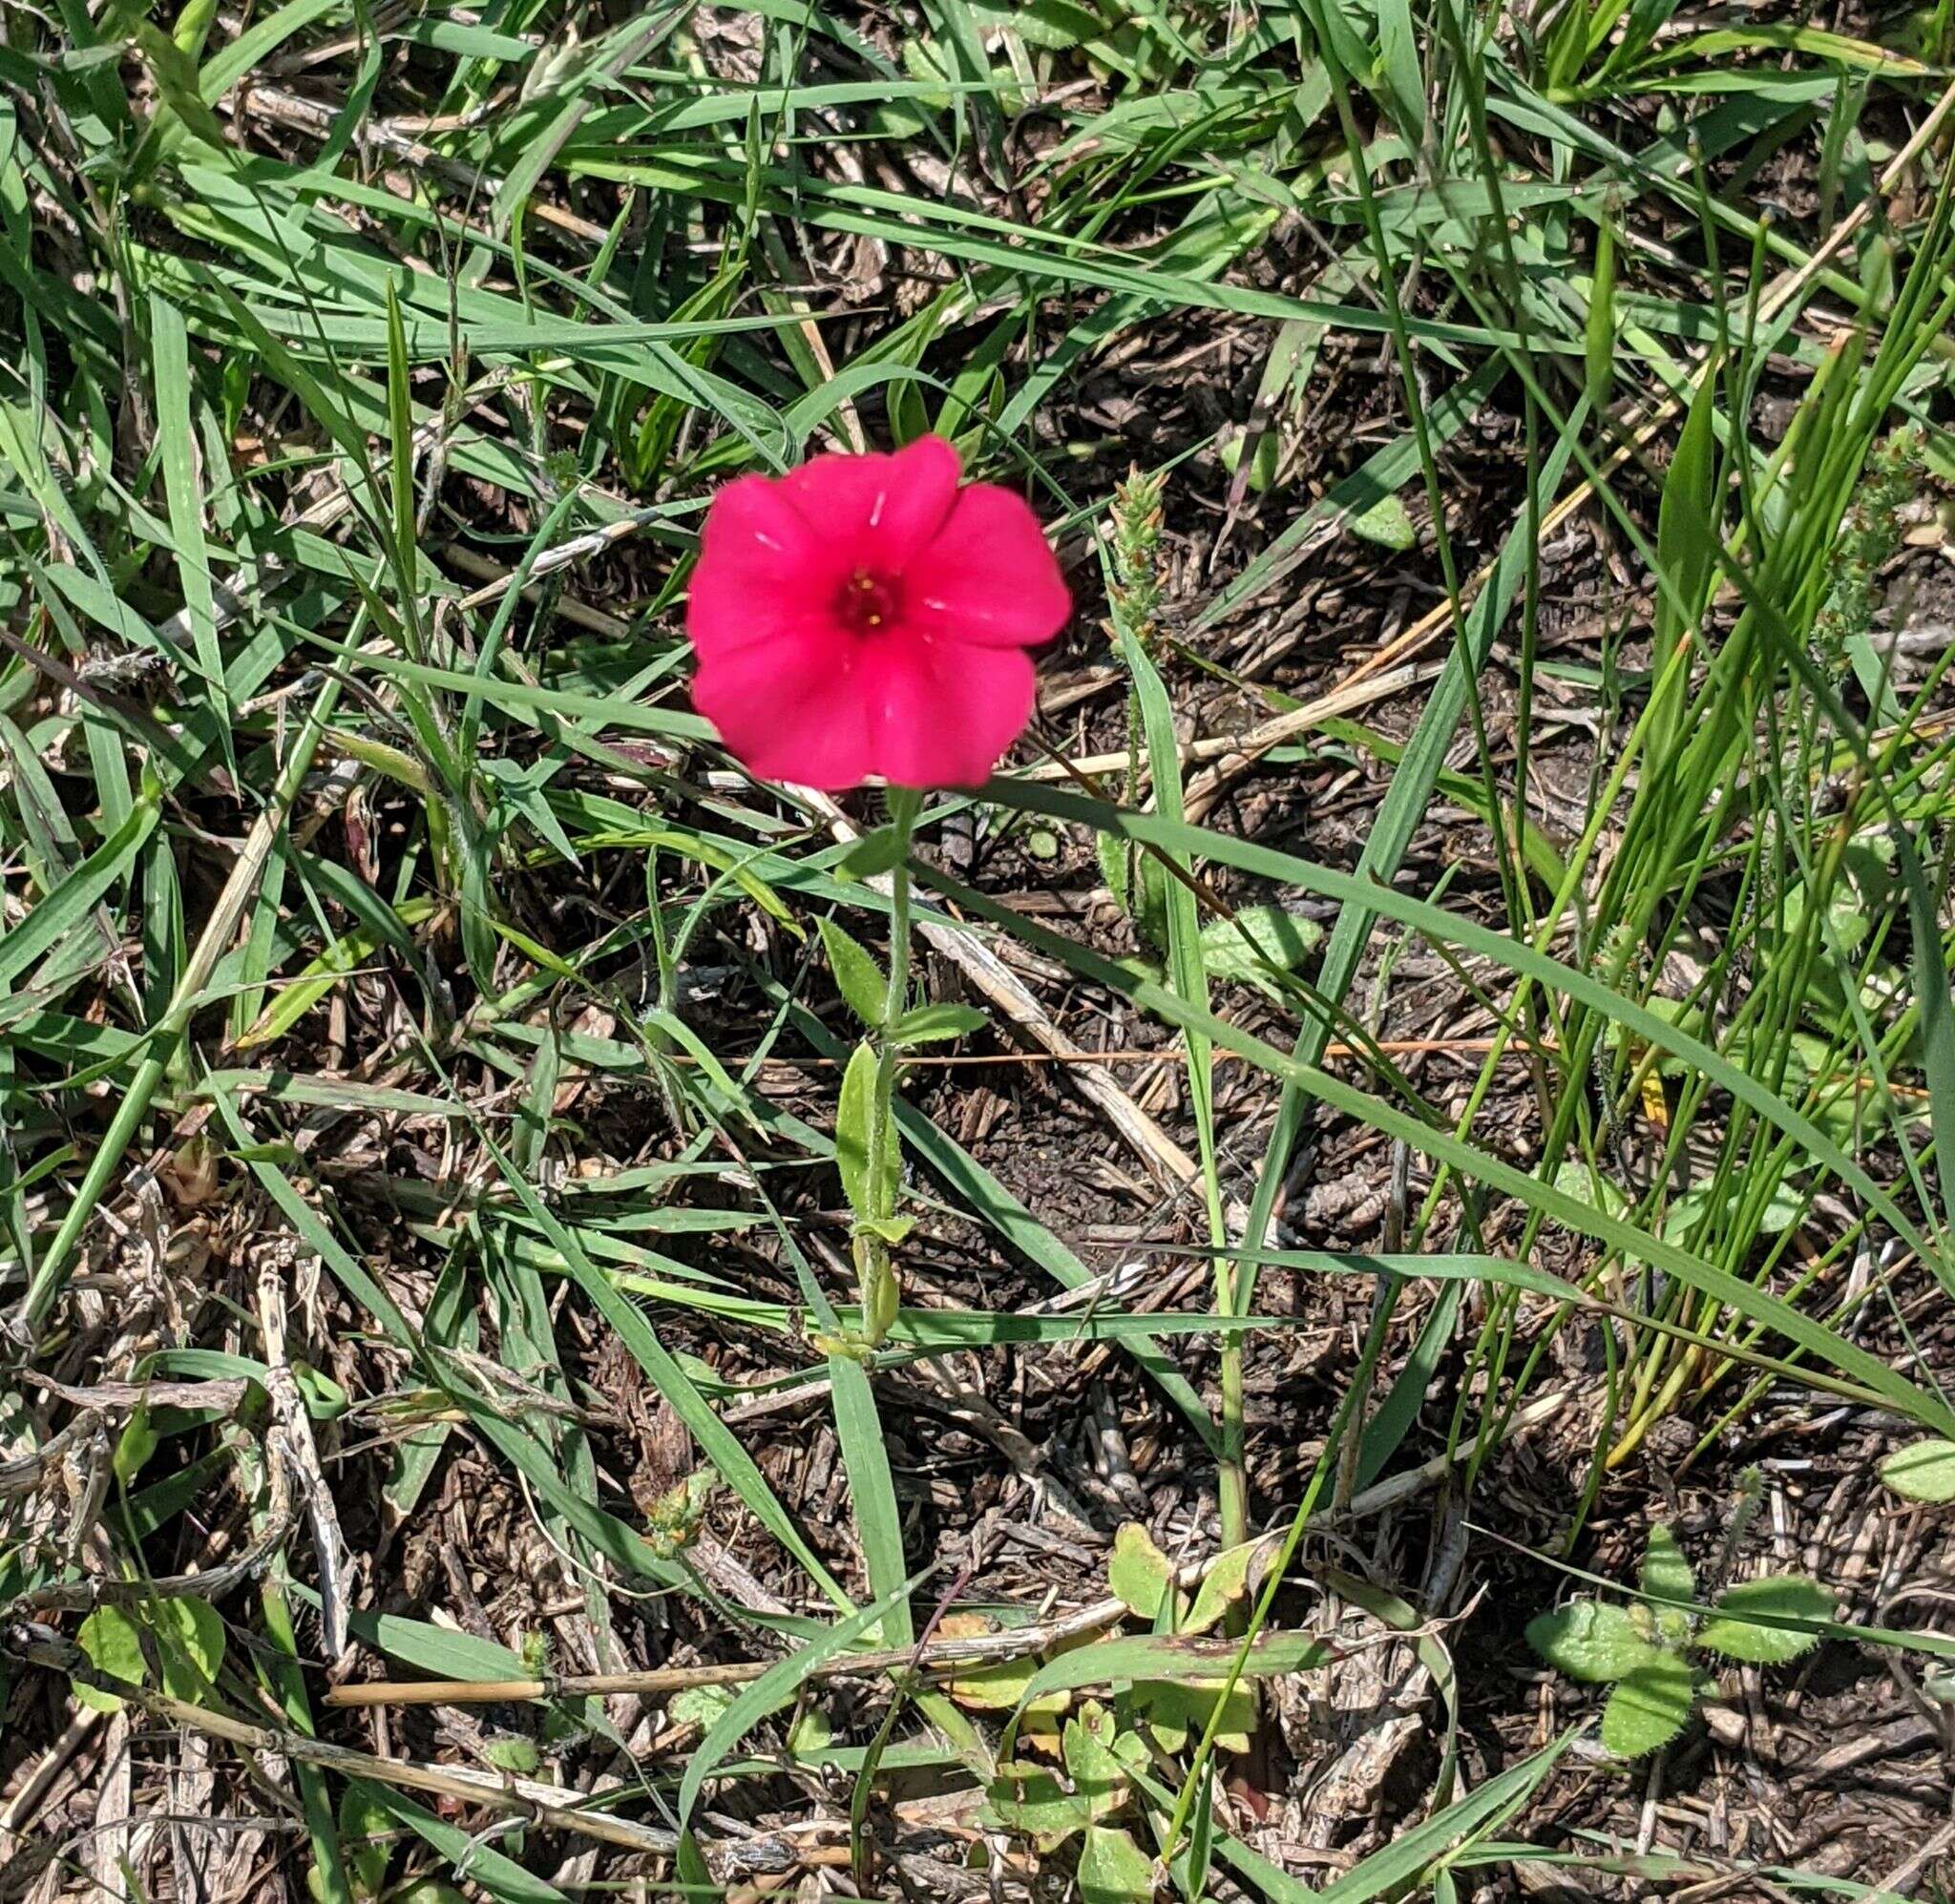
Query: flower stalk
pixel 879 1231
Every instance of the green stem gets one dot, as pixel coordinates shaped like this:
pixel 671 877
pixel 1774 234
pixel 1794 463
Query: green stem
pixel 1232 1471
pixel 883 1119
pixel 879 1291
pixel 899 952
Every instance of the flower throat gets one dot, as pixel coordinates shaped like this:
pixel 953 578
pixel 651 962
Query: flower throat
pixel 868 603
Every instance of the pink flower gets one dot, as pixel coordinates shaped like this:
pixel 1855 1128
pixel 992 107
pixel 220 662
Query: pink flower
pixel 863 615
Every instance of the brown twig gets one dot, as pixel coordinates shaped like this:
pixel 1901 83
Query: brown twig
pixel 1355 693
pixel 291 1432
pixel 977 1649
pixel 520 1797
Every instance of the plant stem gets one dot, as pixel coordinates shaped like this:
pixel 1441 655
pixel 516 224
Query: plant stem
pixel 874 1268
pixel 895 1003
pixel 904 816
pixel 1231 1474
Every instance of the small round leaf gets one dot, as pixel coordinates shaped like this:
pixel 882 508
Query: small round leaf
pixel 1923 1470
pixel 109 1638
pixel 1590 1640
pixel 1649 1706
pixel 1138 1570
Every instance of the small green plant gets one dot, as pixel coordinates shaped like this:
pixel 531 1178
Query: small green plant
pixel 869 1150
pixel 1650 1650
pixel 1079 1772
pixel 1081 1797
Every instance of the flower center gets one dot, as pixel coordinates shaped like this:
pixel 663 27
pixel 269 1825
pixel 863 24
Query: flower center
pixel 868 603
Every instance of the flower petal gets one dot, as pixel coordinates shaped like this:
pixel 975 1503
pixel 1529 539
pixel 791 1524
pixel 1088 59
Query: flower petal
pixel 762 567
pixel 877 512
pixel 987 577
pixel 793 706
pixel 942 713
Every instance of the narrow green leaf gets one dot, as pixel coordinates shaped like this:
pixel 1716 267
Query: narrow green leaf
pixel 400 434
pixel 1600 340
pixel 1937 1025
pixel 177 439
pixel 277 1669
pixel 465 1849
pixel 322 976
pixel 437 1651
pixel 872 1495
pixel 1398 67
pixel 854 1114
pixel 937 1024
pixel 67 907
pixel 1169 1656
pixel 1398 1866
pixel 775 1688
pixel 1687 523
